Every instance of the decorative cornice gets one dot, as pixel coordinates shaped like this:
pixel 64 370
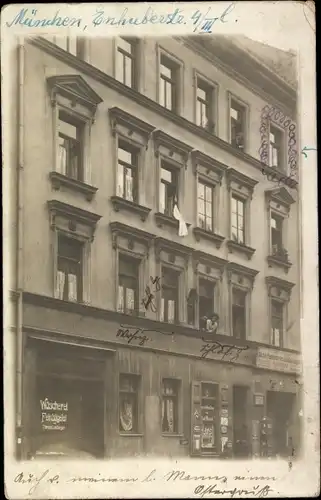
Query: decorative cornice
pixel 163 219
pixel 233 267
pixel 279 283
pixel 280 195
pixel 120 203
pixel 58 180
pixel 172 246
pixel 118 228
pixel 147 103
pixel 242 179
pixel 201 159
pixel 75 88
pixel 174 145
pixel 274 260
pixel 131 122
pixel 210 260
pixel 234 245
pixel 217 239
pixel 70 212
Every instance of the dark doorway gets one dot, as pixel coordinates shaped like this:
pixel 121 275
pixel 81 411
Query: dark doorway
pixel 241 443
pixel 279 409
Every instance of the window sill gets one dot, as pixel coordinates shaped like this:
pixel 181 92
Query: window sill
pixel 172 435
pixel 217 239
pixel 58 180
pixel 242 248
pixel 162 219
pixel 120 203
pixel 275 260
pixel 129 434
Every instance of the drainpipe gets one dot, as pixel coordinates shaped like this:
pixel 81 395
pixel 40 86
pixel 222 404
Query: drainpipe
pixel 19 254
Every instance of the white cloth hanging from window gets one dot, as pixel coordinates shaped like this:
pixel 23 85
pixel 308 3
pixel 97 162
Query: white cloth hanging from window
pixel 60 283
pixel 72 287
pixel 126 416
pixel 171 311
pixel 62 160
pixel 162 309
pixel 182 228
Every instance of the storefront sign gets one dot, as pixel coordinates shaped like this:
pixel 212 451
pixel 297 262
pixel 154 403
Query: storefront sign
pixel 53 415
pixel 281 361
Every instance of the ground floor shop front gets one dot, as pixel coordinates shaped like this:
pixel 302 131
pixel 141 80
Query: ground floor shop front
pixel 98 395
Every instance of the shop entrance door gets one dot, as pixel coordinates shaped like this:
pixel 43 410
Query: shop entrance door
pixel 279 409
pixel 241 445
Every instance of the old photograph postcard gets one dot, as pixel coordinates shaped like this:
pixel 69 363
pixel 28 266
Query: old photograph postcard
pixel 160 250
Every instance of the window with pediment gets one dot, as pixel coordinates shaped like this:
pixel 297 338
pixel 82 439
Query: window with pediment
pixel 131 140
pixel 74 105
pixel 241 282
pixel 279 292
pixel 73 234
pixel 278 203
pixel 240 188
pixel 131 253
pixel 172 157
pixel 208 173
pixel 171 265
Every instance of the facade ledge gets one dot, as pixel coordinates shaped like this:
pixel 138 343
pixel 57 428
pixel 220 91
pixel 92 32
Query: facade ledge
pixel 57 180
pixel 209 259
pixel 130 434
pixel 119 319
pixel 236 176
pixel 278 261
pixel 200 233
pixel 147 103
pixel 212 165
pixel 122 204
pixel 241 248
pixel 175 145
pixel 166 220
pixel 273 281
pixel 118 228
pixel 73 214
pixel 243 270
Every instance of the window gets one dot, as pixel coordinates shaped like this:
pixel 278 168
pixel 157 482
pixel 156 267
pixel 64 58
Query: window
pixel 276 233
pixel 69 269
pixel 277 323
pixel 71 142
pixel 206 299
pixel 204 104
pixel 205 206
pixel 128 278
pixel 275 149
pixel 239 314
pixel 209 416
pixel 238 214
pixel 168 83
pixel 169 299
pixel 168 190
pixel 128 403
pixel 170 391
pixel 126 61
pixel 127 173
pixel 237 116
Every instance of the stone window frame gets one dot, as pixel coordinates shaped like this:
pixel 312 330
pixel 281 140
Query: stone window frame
pixel 232 97
pixel 279 290
pixel 79 225
pixel 132 236
pixel 278 202
pixel 210 171
pixel 173 251
pixel 243 188
pixel 214 271
pixel 241 278
pixel 175 154
pixel 136 133
pixel 214 88
pixel 72 95
pixel 180 70
pixel 140 414
pixel 138 61
pixel 284 148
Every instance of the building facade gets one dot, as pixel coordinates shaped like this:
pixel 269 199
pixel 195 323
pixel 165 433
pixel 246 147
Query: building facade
pixel 156 292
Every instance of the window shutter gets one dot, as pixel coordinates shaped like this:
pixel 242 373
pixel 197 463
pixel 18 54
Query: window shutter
pixel 196 421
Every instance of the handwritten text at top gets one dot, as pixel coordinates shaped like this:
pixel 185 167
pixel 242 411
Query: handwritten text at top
pixel 200 21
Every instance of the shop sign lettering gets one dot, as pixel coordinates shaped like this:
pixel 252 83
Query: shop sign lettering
pixel 50 418
pixel 271 359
